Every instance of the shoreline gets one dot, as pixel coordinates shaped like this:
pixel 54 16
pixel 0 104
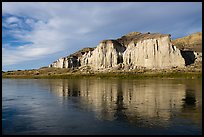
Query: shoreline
pixel 122 75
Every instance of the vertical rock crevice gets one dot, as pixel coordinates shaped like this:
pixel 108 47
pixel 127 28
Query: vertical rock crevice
pixel 188 56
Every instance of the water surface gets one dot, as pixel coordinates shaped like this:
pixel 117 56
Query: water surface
pixel 101 106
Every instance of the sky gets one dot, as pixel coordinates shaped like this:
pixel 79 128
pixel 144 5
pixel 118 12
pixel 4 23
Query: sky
pixel 35 34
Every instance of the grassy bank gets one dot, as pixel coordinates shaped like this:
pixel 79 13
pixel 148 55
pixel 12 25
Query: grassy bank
pixel 132 75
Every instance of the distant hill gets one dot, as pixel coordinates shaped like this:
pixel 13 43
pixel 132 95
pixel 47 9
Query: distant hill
pixel 192 42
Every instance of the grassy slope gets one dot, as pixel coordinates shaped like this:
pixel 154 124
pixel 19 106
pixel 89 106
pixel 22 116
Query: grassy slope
pixel 193 41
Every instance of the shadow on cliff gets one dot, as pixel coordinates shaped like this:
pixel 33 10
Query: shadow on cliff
pixel 188 56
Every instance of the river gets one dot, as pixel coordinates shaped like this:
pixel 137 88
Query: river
pixel 102 106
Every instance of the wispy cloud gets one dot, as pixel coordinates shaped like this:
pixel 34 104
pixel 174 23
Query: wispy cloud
pixel 43 30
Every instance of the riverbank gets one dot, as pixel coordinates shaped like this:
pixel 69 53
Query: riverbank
pixel 190 72
pixel 132 75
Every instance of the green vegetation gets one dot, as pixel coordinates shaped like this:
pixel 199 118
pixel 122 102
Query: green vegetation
pixel 124 75
pixel 190 72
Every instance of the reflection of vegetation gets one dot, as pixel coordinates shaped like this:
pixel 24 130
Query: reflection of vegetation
pixel 192 102
pixel 189 99
pixel 119 113
pixel 192 114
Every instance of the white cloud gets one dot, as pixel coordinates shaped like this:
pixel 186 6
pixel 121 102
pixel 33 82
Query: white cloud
pixel 12 20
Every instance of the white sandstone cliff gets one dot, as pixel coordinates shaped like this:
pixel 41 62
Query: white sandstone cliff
pixel 157 52
pixel 108 54
pixel 132 51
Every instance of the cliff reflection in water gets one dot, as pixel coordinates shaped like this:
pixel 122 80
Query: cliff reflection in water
pixel 140 102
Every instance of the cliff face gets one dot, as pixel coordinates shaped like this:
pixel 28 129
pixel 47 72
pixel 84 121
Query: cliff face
pixel 157 52
pixel 76 59
pixel 132 51
pixel 108 54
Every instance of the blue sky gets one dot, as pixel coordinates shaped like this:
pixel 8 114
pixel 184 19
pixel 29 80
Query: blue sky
pixel 36 34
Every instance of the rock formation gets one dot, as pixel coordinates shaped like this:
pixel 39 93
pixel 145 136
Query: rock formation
pixel 74 60
pixel 132 51
pixel 107 54
pixel 191 48
pixel 152 51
